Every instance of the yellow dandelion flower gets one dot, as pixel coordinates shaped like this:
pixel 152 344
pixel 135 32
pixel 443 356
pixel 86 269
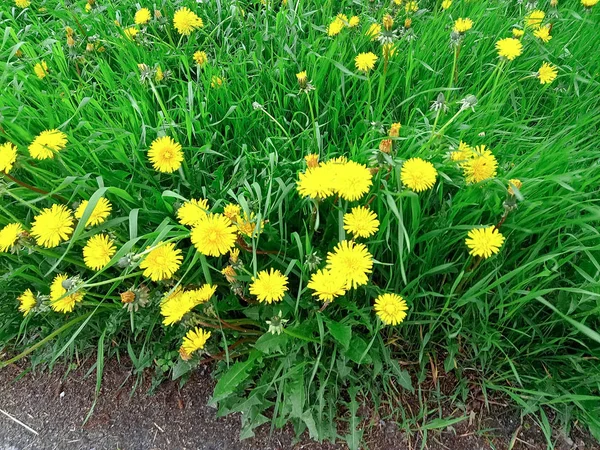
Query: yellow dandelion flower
pixel 446 4
pixel 193 341
pixel 52 226
pixel 60 301
pixel 509 48
pixel 98 251
pixel 216 82
pixel 463 153
pixel 547 73
pixel 353 22
pixel 234 255
pixel 589 3
pixel 190 213
pixel 269 286
pixel 214 235
pixel 47 143
pixel 361 222
pixel 534 18
pixel 247 225
pixel 394 129
pixel 9 235
pixel 203 294
pixel 481 166
pixel 352 261
pixel 200 58
pixel 484 242
pixel 543 33
pixel 131 33
pixel 411 7
pixel 229 273
pixel 162 262
pixel 176 305
pixel 159 75
pixel 312 160
pixel 335 27
pixel 88 7
pixel 391 308
pixel 365 61
pixel 99 214
pixel 41 70
pixel 374 31
pixel 165 154
pixel 388 50
pixel 142 16
pixel 514 183
pixel 232 212
pixel 27 302
pixel 462 25
pixel 388 22
pixel 316 183
pixel 327 285
pixel 418 175
pixel 186 21
pixel 517 33
pixel 302 78
pixel 22 3
pixel 8 156
pixel 352 180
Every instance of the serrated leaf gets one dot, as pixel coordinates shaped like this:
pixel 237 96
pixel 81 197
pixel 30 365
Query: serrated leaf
pixel 231 379
pixel 340 332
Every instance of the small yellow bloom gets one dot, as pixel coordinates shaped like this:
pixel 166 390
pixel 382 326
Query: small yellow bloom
pixel 351 261
pixel 509 48
pixel 327 285
pixel 186 21
pixel 200 58
pixel 516 183
pixel 543 33
pixel 589 3
pixel 302 78
pixel 60 301
pixel 484 242
pixel 534 18
pixel 161 262
pixel 418 175
pixel 142 16
pixel 214 235
pixel 47 143
pixel 98 251
pixel 388 22
pixel 131 32
pixel 391 308
pixel 41 70
pixel 216 82
pixel 480 166
pixel 192 212
pixel 158 74
pixel 269 286
pixel 232 212
pixel 165 154
pixel 462 25
pixel 352 180
pixel 547 73
pixel 394 129
pixel 463 153
pixel 365 61
pixel 99 214
pixel 361 222
pixel 353 22
pixel 374 31
pixel 411 6
pixel 193 341
pixel 27 302
pixel 8 156
pixel 312 160
pixel 446 4
pixel 517 33
pixel 335 27
pixel 9 235
pixel 52 226
pixel 22 3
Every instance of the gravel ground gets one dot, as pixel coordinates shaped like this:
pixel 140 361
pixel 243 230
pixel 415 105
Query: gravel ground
pixel 54 408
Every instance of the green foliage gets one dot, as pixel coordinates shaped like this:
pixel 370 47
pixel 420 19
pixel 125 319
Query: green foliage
pixel 521 324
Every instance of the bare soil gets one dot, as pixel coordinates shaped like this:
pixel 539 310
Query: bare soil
pixel 55 406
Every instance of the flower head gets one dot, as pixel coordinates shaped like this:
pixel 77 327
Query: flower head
pixel 22 3
pixel 484 242
pixel 365 61
pixel 516 183
pixel 547 73
pixel 47 143
pixel 60 299
pixel 9 236
pixel 190 213
pixel 394 129
pixel 543 33
pixel 411 6
pixel 315 183
pixel 418 175
pixel 312 160
pixel 509 48
pixel 353 22
pixel 193 341
pixel 534 18
pixel 8 156
pixel 99 214
pixel 517 33
pixel 214 235
pixel 142 16
pixel 186 21
pixel 446 4
pixel 463 153
pixel 352 180
pixel 216 82
pixel 52 226
pixel 41 70
pixel 177 304
pixel 269 286
pixel 462 25
pixel 335 27
pixel 374 31
pixel 589 3
pixel 327 284
pixel 481 166
pixel 232 211
pixel 131 33
pixel 165 154
pixel 98 251
pixel 391 308
pixel 162 262
pixel 27 302
pixel 351 261
pixel 361 222
pixel 200 58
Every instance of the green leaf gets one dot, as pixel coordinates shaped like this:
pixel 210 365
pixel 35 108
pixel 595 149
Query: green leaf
pixel 340 332
pixel 357 349
pixel 271 343
pixel 402 376
pixel 231 379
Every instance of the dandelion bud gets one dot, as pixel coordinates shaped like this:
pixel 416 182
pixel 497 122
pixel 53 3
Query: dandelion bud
pixel 101 49
pixel 516 183
pixel 395 130
pixel 70 41
pixel 407 23
pixel 385 146
pixel 312 160
pixel 388 22
pixel 19 53
pixel 127 297
pixel 157 14
pixel 302 79
pixel 185 356
pixel 554 3
pixel 69 31
pixel 517 33
pixel 89 47
pixel 91 2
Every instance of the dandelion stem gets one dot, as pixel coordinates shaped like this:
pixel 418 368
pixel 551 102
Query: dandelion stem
pixel 33 188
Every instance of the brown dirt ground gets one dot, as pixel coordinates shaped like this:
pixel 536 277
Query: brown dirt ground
pixel 174 418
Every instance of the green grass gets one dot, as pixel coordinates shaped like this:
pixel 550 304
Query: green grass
pixel 522 324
